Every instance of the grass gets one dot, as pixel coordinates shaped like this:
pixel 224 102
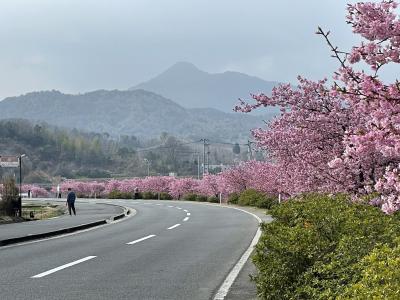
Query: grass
pixel 42 212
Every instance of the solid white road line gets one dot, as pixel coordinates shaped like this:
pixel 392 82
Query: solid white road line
pixel 63 267
pixel 185 219
pixel 188 214
pixel 142 239
pixel 172 227
pixel 226 285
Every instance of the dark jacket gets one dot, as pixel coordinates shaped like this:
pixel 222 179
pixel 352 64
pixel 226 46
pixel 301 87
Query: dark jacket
pixel 71 197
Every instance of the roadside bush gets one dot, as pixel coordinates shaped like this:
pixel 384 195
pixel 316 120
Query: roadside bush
pixel 165 196
pixel 81 195
pixel 201 198
pixel 137 195
pixel 115 194
pixel 250 197
pixel 213 199
pixel 380 275
pixel 149 195
pixel 267 202
pixel 233 198
pixel 312 248
pixel 253 197
pixel 190 197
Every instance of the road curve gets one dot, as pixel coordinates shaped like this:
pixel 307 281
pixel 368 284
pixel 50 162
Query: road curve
pixel 168 250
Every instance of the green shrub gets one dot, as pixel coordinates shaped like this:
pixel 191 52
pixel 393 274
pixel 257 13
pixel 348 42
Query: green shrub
pixel 115 194
pixel 137 195
pixel 233 198
pixel 81 195
pixel 213 199
pixel 312 248
pixel 190 197
pixel 253 197
pixel 201 198
pixel 266 202
pixel 380 275
pixel 149 195
pixel 165 196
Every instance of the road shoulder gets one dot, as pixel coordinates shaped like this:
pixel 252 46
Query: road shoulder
pixel 243 288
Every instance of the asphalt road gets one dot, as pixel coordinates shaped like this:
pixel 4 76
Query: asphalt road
pixel 168 250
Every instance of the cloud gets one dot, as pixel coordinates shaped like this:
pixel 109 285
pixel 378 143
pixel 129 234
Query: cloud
pixel 84 45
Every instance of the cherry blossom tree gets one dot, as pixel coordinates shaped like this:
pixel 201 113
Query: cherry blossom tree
pixel 343 137
pixel 376 102
pixel 182 186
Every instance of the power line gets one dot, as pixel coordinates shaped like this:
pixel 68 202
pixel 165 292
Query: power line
pixel 163 147
pixel 227 143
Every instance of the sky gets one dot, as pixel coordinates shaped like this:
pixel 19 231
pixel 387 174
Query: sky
pixel 77 46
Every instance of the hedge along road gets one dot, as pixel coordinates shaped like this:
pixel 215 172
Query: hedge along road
pixel 168 250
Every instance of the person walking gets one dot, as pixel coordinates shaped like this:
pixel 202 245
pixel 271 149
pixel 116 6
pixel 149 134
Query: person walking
pixel 71 201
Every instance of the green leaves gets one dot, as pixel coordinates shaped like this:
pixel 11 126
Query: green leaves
pixel 314 247
pixel 253 197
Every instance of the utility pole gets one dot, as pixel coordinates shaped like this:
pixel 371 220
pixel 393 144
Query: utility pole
pixel 20 186
pixel 148 166
pixel 198 165
pixel 205 141
pixel 208 158
pixel 249 150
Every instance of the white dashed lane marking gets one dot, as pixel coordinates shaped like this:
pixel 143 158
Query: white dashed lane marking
pixel 185 219
pixel 172 227
pixel 63 267
pixel 142 239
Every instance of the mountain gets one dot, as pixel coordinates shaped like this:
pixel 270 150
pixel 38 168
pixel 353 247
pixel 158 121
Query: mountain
pixel 136 112
pixel 194 88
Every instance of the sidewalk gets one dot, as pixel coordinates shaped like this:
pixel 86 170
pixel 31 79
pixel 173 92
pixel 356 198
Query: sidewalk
pixel 88 215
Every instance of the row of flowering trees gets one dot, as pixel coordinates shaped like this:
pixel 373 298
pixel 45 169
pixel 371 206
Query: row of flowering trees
pixel 237 179
pixel 36 191
pixel 331 136
pixel 253 174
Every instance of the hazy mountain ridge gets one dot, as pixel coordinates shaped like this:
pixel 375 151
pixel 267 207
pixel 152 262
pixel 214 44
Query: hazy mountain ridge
pixel 134 112
pixel 193 88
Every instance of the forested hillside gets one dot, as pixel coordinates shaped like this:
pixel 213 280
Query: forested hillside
pixel 139 113
pixel 53 151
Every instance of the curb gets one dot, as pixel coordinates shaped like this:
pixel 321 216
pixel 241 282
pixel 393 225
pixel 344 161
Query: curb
pixel 39 236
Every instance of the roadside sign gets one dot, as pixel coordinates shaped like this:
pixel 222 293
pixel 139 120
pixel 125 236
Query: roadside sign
pixel 9 161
